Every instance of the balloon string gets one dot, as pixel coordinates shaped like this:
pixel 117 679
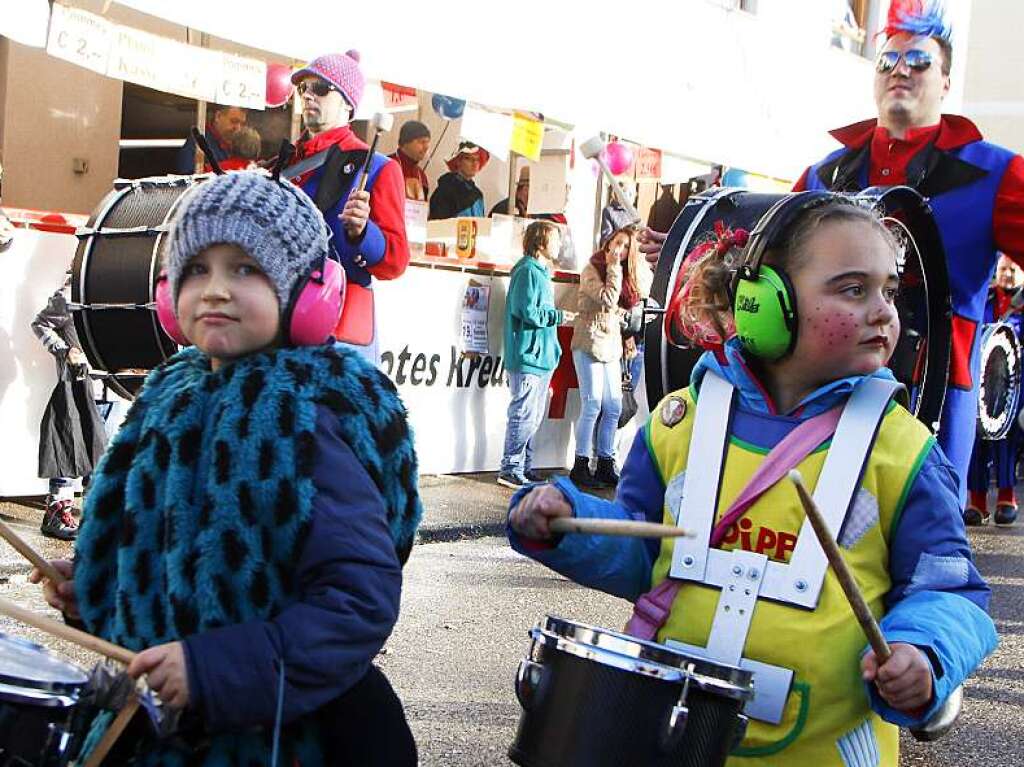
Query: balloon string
pixel 437 144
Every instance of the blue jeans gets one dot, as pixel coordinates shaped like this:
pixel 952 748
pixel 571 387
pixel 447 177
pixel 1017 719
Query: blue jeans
pixel 525 413
pixel 600 404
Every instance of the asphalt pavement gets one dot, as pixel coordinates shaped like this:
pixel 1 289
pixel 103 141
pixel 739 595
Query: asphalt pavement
pixel 469 601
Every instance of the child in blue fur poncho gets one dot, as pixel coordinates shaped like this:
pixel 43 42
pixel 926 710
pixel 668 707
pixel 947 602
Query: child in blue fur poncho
pixel 246 529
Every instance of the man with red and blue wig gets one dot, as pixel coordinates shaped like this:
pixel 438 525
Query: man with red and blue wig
pixel 976 189
pixel 369 238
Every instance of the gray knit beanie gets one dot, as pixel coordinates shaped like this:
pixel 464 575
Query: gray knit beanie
pixel 275 222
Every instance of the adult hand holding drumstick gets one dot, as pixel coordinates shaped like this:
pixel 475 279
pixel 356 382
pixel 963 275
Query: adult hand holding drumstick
pixel 901 672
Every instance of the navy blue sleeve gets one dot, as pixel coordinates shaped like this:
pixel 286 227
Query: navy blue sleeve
pixel 616 565
pixel 350 586
pixel 938 599
pixel 185 159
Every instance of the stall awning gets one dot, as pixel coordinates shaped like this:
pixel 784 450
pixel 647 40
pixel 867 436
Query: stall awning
pixel 694 78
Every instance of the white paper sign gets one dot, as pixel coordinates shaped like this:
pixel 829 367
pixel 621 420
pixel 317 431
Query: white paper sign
pixel 243 82
pixel 474 318
pixel 548 179
pixel 491 131
pixel 80 37
pixel 194 73
pixel 416 220
pixel 139 57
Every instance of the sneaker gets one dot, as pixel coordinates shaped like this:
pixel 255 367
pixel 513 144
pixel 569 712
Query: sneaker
pixel 58 521
pixel 606 475
pixel 974 517
pixel 1006 514
pixel 514 481
pixel 533 476
pixel 580 475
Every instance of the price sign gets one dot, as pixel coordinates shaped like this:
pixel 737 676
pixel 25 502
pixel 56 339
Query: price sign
pixel 648 164
pixel 80 37
pixel 243 82
pixel 138 57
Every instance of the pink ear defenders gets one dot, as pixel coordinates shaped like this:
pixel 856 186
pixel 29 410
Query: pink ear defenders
pixel 310 317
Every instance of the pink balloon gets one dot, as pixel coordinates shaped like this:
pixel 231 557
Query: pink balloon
pixel 618 157
pixel 279 84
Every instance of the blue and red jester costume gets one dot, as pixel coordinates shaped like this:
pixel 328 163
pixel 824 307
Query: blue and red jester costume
pixel 976 190
pixel 999 455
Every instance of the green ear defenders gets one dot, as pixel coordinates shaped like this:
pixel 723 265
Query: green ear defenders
pixel 764 302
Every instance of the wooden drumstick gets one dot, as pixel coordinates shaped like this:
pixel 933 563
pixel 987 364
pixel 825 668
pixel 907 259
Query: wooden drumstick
pixel 30 554
pixel 623 527
pixel 62 631
pixel 845 577
pixel 121 721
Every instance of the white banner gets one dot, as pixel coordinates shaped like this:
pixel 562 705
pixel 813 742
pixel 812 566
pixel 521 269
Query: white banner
pixel 80 37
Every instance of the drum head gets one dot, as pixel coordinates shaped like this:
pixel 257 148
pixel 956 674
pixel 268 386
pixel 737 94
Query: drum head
pixel 921 358
pixel 999 394
pixel 612 648
pixel 27 666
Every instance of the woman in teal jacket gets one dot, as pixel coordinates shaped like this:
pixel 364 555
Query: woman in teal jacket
pixel 531 348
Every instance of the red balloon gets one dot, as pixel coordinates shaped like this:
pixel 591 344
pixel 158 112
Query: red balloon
pixel 279 85
pixel 618 157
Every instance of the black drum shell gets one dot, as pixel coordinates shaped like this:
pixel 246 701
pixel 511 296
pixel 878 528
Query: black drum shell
pixel 585 714
pixel 33 735
pixel 114 267
pixel 921 357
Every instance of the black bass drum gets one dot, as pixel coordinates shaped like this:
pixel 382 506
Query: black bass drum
pixel 114 278
pixel 921 358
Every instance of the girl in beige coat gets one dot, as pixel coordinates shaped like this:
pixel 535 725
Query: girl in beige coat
pixel 611 284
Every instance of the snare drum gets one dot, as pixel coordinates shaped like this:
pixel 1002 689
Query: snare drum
pixel 602 699
pixel 113 286
pixel 39 697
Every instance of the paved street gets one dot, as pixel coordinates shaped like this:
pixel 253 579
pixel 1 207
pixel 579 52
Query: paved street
pixel 469 601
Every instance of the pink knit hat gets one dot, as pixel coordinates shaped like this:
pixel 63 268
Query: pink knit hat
pixel 339 69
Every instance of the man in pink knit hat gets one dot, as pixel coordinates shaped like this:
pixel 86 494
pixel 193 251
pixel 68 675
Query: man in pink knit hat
pixel 368 227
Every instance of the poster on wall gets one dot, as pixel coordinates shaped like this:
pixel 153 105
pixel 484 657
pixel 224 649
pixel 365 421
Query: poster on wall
pixel 474 318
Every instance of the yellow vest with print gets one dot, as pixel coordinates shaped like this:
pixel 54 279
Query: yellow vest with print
pixel 827 700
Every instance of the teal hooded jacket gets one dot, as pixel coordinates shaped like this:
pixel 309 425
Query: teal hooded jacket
pixel 531 320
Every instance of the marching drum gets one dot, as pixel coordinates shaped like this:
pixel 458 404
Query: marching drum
pixel 114 279
pixel 999 394
pixel 39 701
pixel 921 358
pixel 602 699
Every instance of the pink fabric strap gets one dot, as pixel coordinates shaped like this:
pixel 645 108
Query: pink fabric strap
pixel 651 610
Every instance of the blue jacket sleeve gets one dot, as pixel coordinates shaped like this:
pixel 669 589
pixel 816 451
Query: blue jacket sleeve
pixel 616 565
pixel 350 586
pixel 938 599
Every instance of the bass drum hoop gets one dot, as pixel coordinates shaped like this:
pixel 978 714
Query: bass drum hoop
pixel 669 365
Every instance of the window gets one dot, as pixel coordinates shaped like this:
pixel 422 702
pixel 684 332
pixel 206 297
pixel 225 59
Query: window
pixel 850 24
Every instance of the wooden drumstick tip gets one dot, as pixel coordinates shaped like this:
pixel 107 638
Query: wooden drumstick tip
pixel 796 478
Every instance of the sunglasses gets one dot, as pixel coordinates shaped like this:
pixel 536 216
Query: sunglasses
pixel 916 60
pixel 316 86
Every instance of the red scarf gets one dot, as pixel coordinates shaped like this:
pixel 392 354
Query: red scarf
pixel 629 296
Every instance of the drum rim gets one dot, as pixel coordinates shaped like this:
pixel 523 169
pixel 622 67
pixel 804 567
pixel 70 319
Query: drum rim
pixel 651 659
pixel 18 688
pixel 999 430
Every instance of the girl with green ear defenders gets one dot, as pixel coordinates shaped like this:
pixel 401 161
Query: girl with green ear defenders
pixel 775 392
